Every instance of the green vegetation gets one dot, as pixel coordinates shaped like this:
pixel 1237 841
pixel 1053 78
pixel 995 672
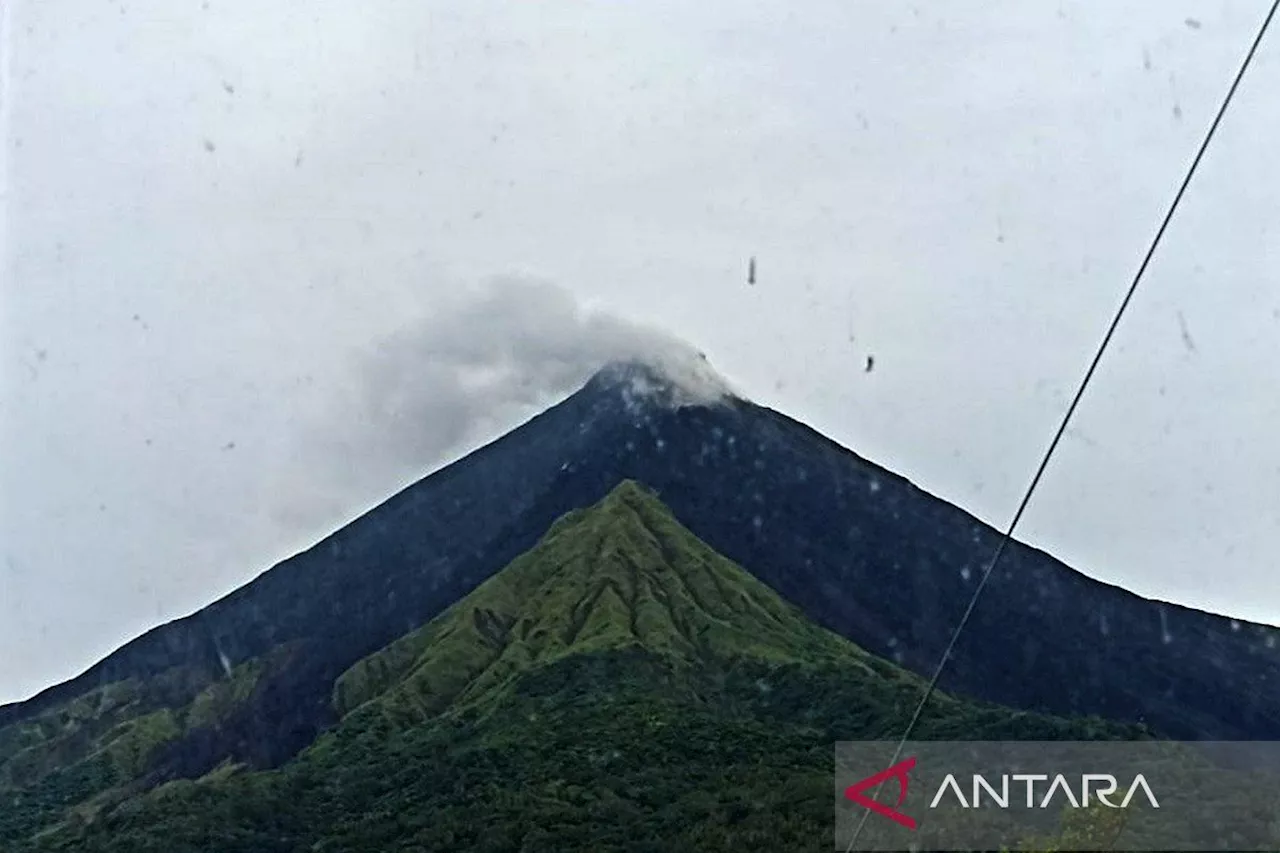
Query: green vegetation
pixel 1092 828
pixel 623 575
pixel 217 700
pixel 79 757
pixel 619 687
pixel 608 750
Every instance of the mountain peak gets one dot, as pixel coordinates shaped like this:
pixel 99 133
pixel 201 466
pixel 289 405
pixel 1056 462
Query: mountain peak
pixel 674 378
pixel 621 574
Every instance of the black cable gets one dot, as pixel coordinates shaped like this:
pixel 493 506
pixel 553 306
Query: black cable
pixel 1066 418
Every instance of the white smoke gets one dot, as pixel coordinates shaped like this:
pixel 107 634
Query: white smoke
pixel 488 358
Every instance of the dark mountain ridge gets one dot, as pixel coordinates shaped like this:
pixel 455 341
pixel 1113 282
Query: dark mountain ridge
pixel 860 550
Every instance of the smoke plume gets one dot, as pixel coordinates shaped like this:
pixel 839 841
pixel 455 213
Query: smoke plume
pixel 490 357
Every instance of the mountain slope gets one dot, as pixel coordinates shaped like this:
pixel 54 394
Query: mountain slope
pixel 619 686
pixel 623 574
pixel 859 550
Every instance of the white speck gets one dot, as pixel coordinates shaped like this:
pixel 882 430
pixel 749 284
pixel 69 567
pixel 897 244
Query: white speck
pixel 226 664
pixel 1271 641
pixel 757 522
pixel 964 574
pixel 661 444
pixel 763 686
pixel 1235 626
pixel 874 486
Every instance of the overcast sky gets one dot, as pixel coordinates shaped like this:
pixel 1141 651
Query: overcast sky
pixel 247 250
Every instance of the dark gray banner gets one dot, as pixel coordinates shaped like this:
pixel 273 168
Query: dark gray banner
pixel 1058 796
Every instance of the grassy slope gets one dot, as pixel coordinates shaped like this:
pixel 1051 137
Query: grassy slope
pixel 100 748
pixel 619 687
pixel 623 574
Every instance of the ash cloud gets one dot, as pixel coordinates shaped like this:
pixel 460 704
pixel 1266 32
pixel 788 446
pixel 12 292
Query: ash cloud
pixel 465 372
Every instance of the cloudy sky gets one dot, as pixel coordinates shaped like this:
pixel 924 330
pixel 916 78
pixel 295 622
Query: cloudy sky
pixel 255 256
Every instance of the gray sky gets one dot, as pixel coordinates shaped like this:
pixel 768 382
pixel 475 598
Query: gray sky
pixel 246 249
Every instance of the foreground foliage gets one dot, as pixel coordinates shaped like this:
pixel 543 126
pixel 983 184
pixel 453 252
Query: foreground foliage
pixel 613 751
pixel 620 687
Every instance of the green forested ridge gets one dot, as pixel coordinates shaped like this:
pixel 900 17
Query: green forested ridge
pixel 76 758
pixel 619 687
pixel 623 574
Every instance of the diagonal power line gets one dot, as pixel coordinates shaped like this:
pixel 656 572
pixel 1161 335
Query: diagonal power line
pixel 1075 402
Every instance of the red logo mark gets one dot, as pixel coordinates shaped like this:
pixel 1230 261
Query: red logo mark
pixel 898 771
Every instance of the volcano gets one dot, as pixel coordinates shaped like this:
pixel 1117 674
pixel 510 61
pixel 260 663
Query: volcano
pixel 861 551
